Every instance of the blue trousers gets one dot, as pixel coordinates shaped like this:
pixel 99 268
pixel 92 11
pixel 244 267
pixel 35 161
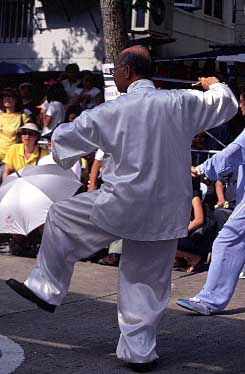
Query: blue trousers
pixel 228 258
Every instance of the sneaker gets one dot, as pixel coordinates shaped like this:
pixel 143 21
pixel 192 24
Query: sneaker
pixel 194 304
pixel 242 275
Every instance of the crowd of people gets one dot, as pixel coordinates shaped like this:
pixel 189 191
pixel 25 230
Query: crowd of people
pixel 27 123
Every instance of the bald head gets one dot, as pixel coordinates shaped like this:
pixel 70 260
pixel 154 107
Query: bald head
pixel 138 58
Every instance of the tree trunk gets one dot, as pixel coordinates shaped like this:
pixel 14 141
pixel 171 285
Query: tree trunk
pixel 114 25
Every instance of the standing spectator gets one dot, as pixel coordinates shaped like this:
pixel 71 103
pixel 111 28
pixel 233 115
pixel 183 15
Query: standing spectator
pixel 28 101
pixel 11 119
pixel 88 96
pixel 55 113
pixel 71 81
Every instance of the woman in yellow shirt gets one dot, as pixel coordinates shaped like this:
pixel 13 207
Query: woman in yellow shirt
pixel 25 153
pixel 11 119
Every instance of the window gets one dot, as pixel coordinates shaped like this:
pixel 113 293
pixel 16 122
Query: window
pixel 214 8
pixel 16 21
pixel 208 7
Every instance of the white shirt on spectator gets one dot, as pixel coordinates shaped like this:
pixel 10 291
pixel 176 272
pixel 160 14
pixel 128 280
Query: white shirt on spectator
pixel 56 110
pixel 93 92
pixel 70 88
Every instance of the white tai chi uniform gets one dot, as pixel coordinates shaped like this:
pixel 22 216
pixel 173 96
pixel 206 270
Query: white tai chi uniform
pixel 146 200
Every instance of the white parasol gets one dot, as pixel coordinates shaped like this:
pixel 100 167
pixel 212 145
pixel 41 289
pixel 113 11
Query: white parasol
pixel 26 196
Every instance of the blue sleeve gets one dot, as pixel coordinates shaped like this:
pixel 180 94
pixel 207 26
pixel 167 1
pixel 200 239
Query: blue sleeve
pixel 224 162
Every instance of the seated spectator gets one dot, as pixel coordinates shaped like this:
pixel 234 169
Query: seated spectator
pixel 11 119
pixel 187 248
pixel 55 113
pixel 27 96
pixel 88 96
pixel 114 254
pixel 70 81
pixel 25 153
pixel 199 143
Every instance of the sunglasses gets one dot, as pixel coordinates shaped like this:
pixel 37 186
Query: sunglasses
pixel 30 133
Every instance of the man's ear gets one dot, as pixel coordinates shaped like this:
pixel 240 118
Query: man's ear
pixel 128 72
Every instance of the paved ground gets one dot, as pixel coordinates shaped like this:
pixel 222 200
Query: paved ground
pixel 82 335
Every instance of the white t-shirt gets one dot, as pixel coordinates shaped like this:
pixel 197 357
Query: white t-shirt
pixel 70 88
pixel 93 93
pixel 56 110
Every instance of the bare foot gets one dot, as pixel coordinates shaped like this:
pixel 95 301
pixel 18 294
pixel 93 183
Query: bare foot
pixel 193 261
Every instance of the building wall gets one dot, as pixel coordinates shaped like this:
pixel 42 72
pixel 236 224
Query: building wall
pixel 63 40
pixel 60 41
pixel 195 31
pixel 240 22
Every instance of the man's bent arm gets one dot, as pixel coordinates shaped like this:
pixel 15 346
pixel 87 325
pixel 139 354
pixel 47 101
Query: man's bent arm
pixel 223 162
pixel 71 141
pixel 211 108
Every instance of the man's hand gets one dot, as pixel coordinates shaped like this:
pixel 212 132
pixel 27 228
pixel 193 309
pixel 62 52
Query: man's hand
pixel 206 82
pixel 194 172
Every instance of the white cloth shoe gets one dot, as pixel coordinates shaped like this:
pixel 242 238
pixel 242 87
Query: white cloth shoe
pixel 194 304
pixel 242 275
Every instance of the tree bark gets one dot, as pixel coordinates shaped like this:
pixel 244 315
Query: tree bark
pixel 114 26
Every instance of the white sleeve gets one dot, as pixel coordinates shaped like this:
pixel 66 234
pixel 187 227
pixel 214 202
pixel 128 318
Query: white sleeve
pixel 50 111
pixel 208 109
pixel 71 141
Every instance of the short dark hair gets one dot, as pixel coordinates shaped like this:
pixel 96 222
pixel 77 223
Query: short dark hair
pixel 242 94
pixel 72 68
pixel 138 62
pixel 13 92
pixel 56 92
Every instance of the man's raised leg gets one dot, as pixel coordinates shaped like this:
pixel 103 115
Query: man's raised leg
pixel 68 236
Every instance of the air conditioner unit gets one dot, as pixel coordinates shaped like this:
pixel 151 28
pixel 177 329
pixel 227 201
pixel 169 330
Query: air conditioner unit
pixel 157 20
pixel 189 4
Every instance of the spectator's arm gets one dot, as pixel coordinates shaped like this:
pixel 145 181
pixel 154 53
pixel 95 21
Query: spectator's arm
pixel 92 183
pixel 198 220
pixel 6 171
pixel 219 189
pixel 47 120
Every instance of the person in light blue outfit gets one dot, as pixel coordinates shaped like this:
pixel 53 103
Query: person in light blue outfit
pixel 228 253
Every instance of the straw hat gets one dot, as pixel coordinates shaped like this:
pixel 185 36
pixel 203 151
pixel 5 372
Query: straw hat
pixel 29 126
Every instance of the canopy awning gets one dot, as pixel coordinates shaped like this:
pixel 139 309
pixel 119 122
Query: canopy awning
pixel 209 55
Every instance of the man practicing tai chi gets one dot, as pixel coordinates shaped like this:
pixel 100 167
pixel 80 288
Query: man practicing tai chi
pixel 146 197
pixel 228 252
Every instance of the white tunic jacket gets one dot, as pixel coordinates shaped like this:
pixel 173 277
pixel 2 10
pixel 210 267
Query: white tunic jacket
pixel 147 134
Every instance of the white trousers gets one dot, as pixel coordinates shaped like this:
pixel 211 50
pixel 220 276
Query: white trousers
pixel 144 278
